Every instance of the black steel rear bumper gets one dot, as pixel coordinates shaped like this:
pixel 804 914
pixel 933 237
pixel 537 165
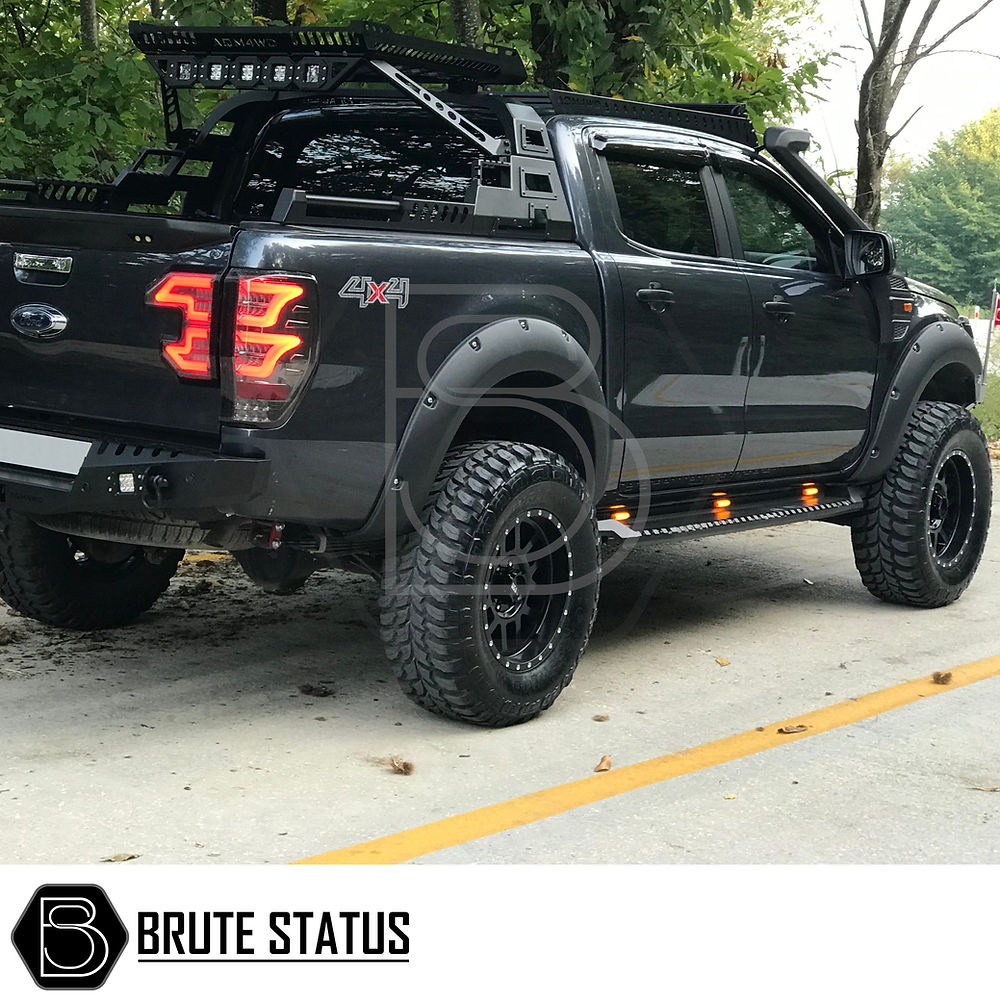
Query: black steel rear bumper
pixel 123 478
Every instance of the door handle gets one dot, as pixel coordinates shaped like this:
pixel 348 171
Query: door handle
pixel 656 296
pixel 780 309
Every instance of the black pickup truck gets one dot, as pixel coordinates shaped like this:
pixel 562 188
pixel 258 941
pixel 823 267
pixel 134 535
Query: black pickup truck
pixel 379 312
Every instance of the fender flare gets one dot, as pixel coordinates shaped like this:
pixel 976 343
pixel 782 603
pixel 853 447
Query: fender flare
pixel 495 352
pixel 940 343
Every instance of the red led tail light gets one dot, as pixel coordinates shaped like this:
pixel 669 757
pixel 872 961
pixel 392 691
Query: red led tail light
pixel 191 356
pixel 274 346
pixel 262 338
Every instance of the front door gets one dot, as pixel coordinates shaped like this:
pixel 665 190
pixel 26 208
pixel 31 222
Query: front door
pixel 815 335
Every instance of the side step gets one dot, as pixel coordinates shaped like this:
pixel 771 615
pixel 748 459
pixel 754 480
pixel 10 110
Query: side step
pixel 726 520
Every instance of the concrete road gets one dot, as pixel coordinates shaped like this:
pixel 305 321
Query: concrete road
pixel 228 726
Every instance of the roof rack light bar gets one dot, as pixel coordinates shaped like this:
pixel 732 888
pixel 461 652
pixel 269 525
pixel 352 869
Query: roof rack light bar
pixel 289 58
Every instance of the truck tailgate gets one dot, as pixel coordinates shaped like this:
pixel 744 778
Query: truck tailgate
pixel 92 272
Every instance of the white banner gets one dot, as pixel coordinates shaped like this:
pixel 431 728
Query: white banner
pixel 510 932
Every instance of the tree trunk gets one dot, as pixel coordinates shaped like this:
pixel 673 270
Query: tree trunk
pixel 875 101
pixel 548 72
pixel 88 24
pixel 468 18
pixel 271 10
pixel 155 10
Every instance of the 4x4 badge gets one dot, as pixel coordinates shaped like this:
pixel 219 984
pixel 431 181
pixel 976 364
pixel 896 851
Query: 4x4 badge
pixel 370 292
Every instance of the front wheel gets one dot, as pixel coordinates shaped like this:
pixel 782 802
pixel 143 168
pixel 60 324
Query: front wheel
pixel 922 536
pixel 489 607
pixel 77 583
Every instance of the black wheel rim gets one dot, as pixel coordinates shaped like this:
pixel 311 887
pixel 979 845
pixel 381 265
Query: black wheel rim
pixel 529 580
pixel 952 508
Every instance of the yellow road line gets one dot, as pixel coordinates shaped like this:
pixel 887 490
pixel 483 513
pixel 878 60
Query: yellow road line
pixel 548 802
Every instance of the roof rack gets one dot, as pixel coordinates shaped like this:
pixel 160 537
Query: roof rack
pixel 315 60
pixel 311 58
pixel 727 121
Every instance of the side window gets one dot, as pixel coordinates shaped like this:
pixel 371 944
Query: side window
pixel 663 206
pixel 772 231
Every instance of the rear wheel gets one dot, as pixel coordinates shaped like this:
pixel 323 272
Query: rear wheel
pixel 488 609
pixel 922 537
pixel 77 583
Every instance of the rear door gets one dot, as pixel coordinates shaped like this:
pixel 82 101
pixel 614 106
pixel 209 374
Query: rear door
pixel 815 335
pixel 686 313
pixel 78 340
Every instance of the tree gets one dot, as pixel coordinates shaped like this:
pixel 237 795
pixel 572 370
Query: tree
pixel 945 212
pixel 893 59
pixel 88 24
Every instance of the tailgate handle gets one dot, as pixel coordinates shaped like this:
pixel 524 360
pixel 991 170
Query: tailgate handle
pixel 39 262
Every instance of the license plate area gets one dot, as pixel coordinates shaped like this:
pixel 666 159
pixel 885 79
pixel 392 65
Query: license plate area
pixel 42 452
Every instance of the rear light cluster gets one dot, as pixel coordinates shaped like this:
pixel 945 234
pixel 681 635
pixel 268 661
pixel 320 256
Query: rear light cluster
pixel 191 356
pixel 273 348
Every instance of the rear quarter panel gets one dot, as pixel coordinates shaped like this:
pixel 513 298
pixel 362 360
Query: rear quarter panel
pixel 375 359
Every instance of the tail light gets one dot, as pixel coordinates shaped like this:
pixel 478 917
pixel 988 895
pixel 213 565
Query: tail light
pixel 274 345
pixel 191 356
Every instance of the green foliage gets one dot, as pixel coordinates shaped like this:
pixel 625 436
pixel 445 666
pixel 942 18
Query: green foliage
pixel 69 111
pixel 66 111
pixel 945 212
pixel 988 411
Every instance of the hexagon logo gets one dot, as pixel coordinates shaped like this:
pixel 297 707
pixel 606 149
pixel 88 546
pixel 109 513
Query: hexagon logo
pixel 69 937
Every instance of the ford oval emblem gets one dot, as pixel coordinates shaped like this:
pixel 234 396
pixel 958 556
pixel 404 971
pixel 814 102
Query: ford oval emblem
pixel 38 321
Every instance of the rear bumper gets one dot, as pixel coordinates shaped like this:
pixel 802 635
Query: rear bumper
pixel 46 474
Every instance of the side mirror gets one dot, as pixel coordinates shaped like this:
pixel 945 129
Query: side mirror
pixel 868 252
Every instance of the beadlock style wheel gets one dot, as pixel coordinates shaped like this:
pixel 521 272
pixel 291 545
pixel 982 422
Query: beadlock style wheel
pixel 489 607
pixel 922 535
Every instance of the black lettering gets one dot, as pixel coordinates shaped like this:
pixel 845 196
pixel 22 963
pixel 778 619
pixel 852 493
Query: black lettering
pixel 326 940
pixel 284 946
pixel 206 934
pixel 171 933
pixel 243 932
pixel 349 919
pixel 303 916
pixel 149 924
pixel 378 946
pixel 396 923
pixel 223 918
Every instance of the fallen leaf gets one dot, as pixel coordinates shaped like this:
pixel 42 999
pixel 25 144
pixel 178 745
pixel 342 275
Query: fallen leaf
pixel 320 718
pixel 117 859
pixel 941 677
pixel 985 788
pixel 729 795
pixel 400 766
pixel 604 764
pixel 316 690
pixel 601 718
pixel 786 730
pixel 722 661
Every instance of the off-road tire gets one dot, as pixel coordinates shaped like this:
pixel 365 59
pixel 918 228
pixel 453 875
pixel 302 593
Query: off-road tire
pixel 45 575
pixel 440 595
pixel 905 550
